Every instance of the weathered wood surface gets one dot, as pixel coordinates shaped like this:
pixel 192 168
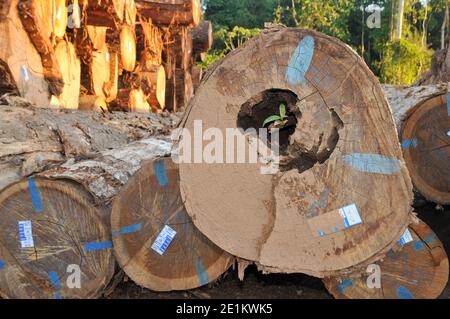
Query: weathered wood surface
pixel 422 118
pixel 166 12
pixel 343 142
pixel 150 202
pixel 33 139
pixel 415 270
pixel 65 223
pixel 105 13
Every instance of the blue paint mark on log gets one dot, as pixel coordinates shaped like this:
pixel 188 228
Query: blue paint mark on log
pixel 54 279
pixel 160 171
pixel 404 293
pixel 201 273
pixel 344 285
pixel 35 195
pixel 127 230
pixel 2 264
pixel 410 143
pixel 300 61
pixel 98 246
pixel 58 295
pixel 448 104
pixel 372 163
pixel 419 245
pixel 430 239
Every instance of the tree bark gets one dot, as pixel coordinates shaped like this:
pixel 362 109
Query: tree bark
pixel 167 12
pixel 34 139
pixel 401 7
pixel 339 137
pixel 422 120
pixel 202 37
pixel 105 13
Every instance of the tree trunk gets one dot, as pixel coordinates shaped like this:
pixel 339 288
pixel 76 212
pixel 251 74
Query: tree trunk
pixel 202 37
pixel 142 218
pixel 401 7
pixel 338 138
pixel 417 268
pixel 105 13
pixel 167 12
pixel 444 27
pixel 34 139
pixel 422 115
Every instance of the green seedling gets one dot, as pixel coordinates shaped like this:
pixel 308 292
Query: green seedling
pixel 278 121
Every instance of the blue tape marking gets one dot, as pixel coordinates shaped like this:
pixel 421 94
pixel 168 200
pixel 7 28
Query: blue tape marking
pixel 98 246
pixel 35 195
pixel 160 170
pixel 300 61
pixel 201 273
pixel 2 264
pixel 410 143
pixel 54 279
pixel 347 283
pixel 430 239
pixel 404 293
pixel 321 233
pixel 419 245
pixel 58 295
pixel 127 230
pixel 448 104
pixel 372 163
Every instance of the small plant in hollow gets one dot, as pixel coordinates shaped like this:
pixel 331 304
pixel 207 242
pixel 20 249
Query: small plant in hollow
pixel 277 121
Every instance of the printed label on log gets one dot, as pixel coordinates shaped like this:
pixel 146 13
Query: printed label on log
pixel 406 237
pixel 335 221
pixel 163 240
pixel 26 234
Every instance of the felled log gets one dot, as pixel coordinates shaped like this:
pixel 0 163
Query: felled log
pixel 36 30
pixel 128 48
pixel 159 220
pixel 202 37
pixel 104 13
pixel 416 268
pixel 49 231
pixel 440 67
pixel 60 17
pixel 4 9
pixel 181 48
pixel 133 100
pixel 34 139
pixel 197 74
pixel 111 88
pixel 130 12
pixel 166 12
pixel 310 213
pixel 184 87
pixel 152 79
pixel 70 67
pixel 422 117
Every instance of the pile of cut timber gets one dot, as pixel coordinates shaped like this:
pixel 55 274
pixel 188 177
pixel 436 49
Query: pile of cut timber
pixel 422 115
pixel 132 55
pixel 440 67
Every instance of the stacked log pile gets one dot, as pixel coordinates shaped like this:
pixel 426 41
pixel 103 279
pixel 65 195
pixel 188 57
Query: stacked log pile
pixel 102 55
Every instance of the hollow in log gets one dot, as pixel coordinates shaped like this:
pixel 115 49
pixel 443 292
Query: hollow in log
pixel 310 213
pixel 422 115
pixel 166 12
pixel 139 222
pixel 416 268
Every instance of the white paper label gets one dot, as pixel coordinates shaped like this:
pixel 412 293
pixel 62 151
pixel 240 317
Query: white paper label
pixel 26 234
pixel 406 238
pixel 163 240
pixel 350 215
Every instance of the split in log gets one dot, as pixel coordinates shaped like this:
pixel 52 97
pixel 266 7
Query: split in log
pixel 128 48
pixel 70 66
pixel 35 28
pixel 202 37
pixel 422 116
pixel 139 222
pixel 21 61
pixel 311 215
pixel 35 139
pixel 48 227
pixel 166 12
pixel 105 13
pixel 60 17
pixel 416 268
pixel 184 88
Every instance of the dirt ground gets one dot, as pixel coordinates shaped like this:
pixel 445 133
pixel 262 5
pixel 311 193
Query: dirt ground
pixel 258 286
